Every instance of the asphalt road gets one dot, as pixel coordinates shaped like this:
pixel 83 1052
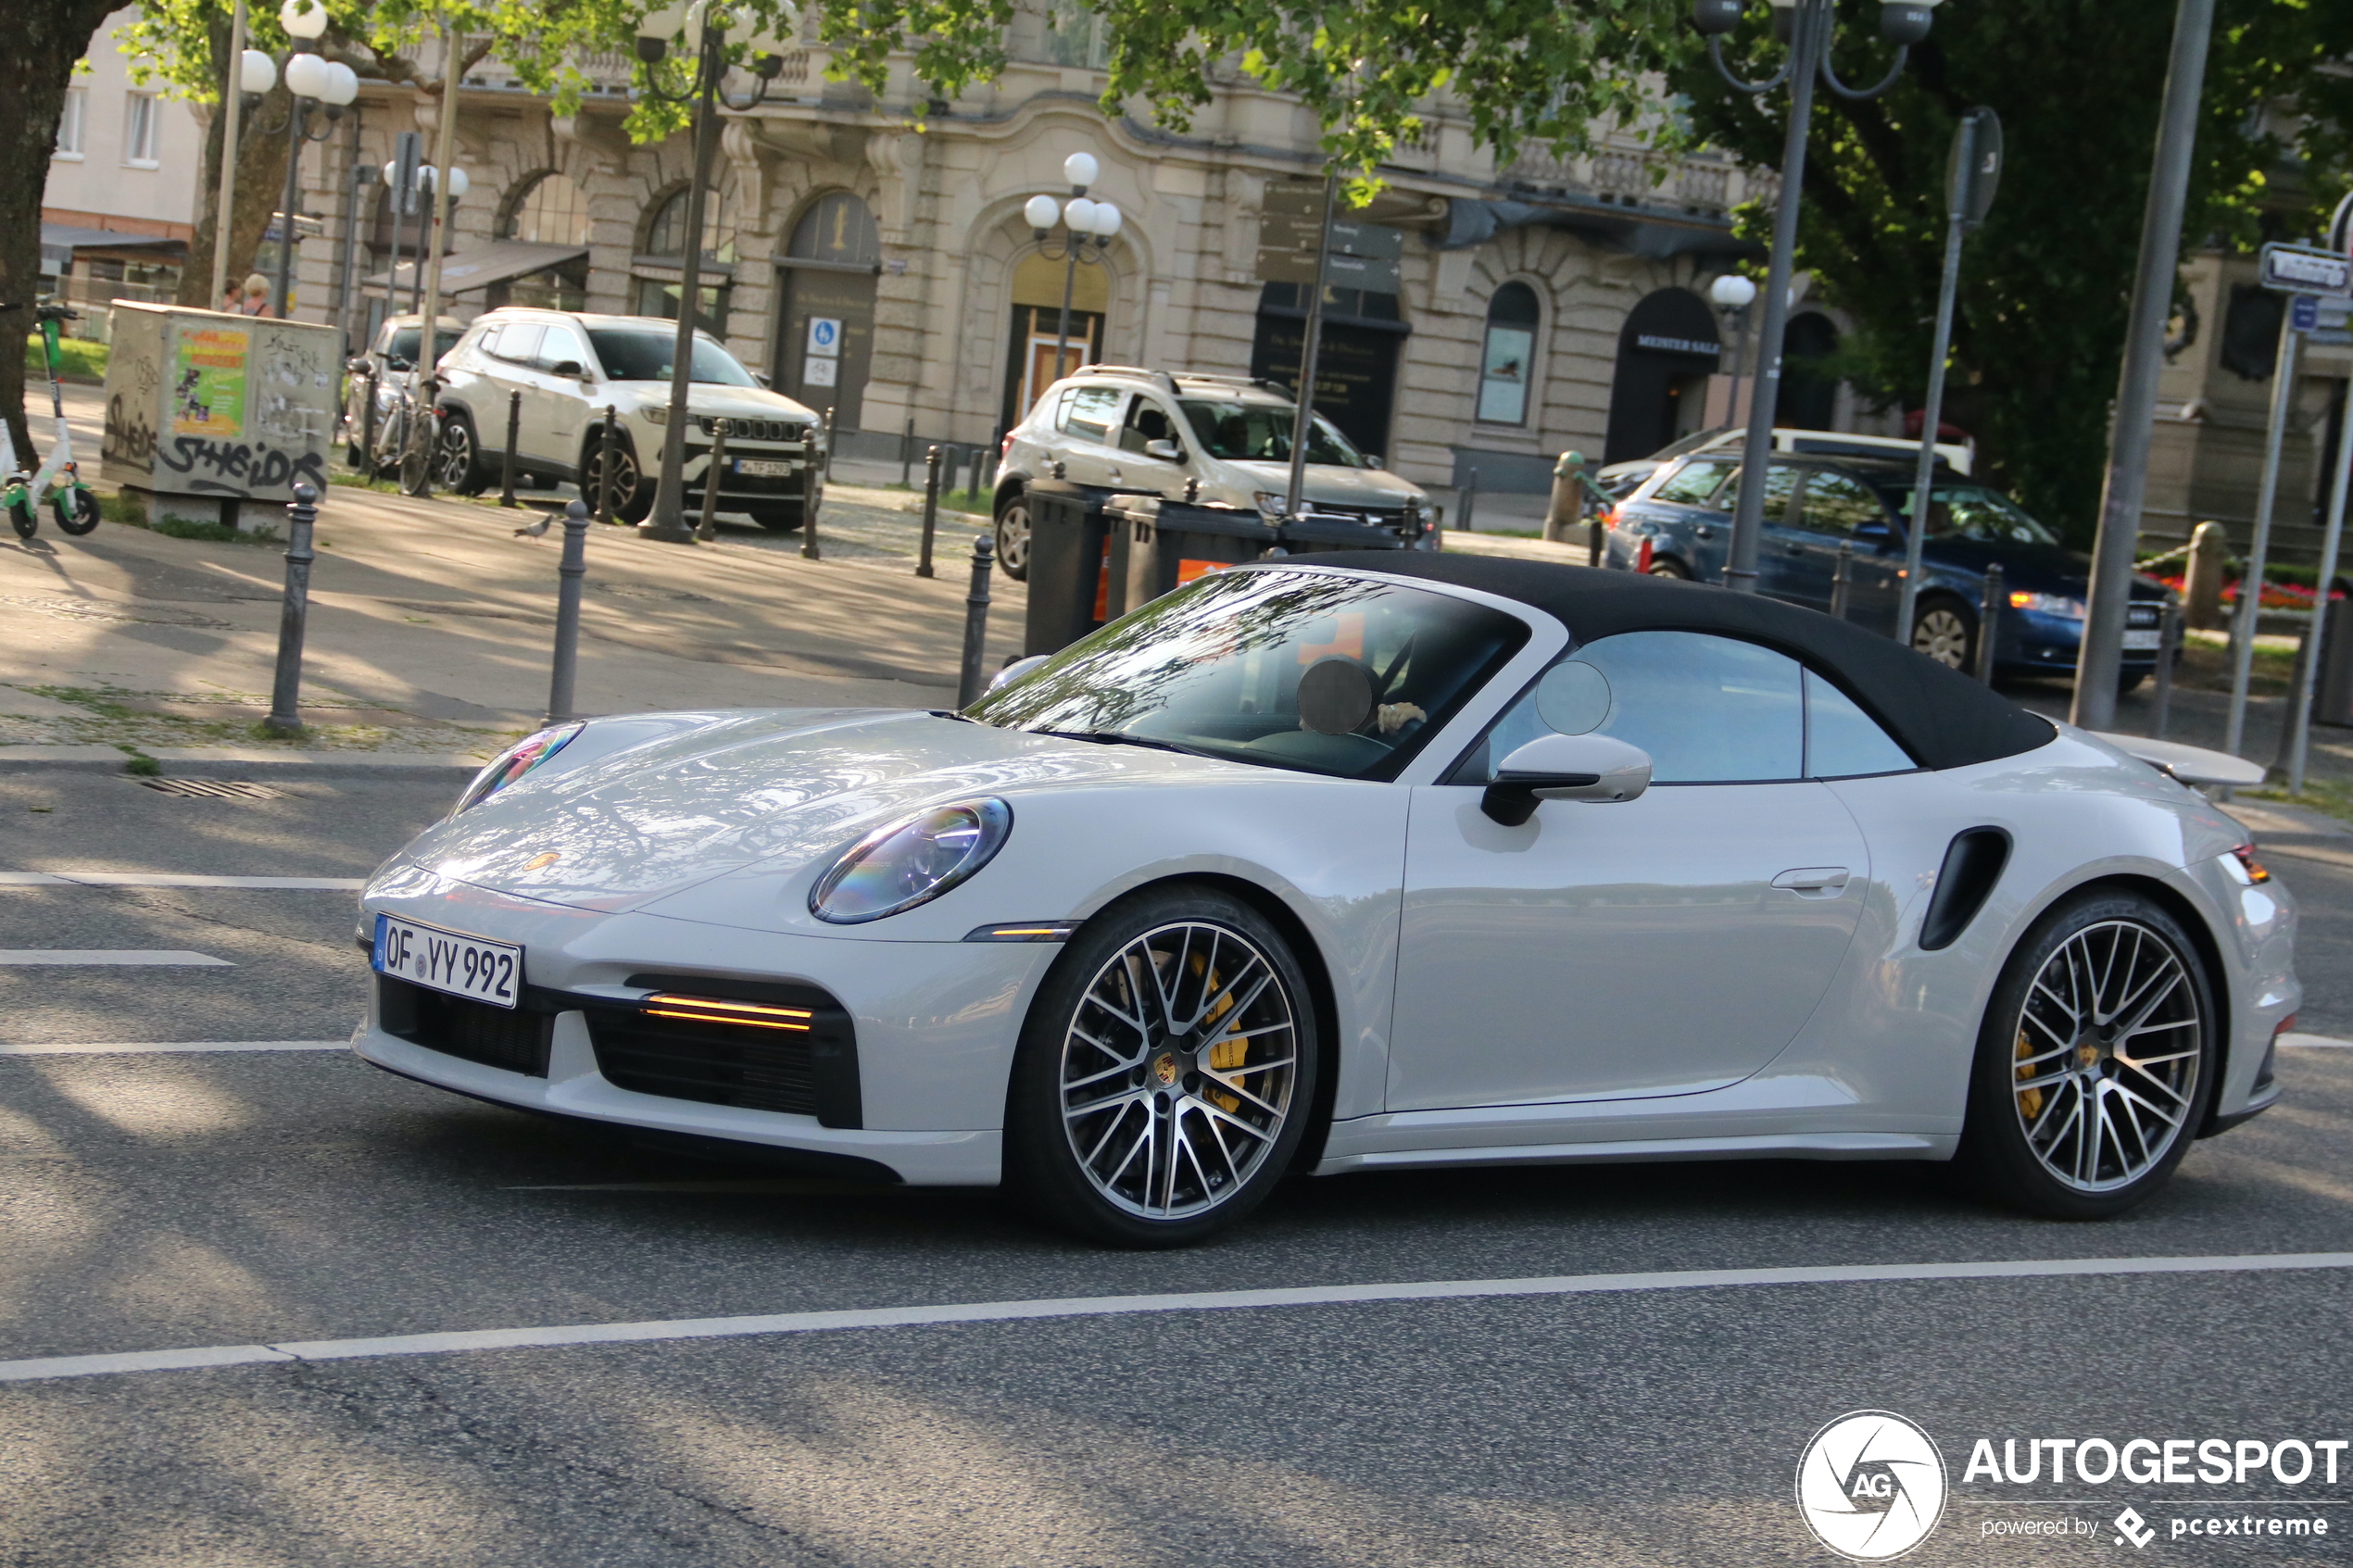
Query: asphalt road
pixel 153 1200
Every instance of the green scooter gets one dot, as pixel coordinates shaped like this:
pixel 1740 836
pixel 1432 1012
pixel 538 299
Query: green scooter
pixel 60 476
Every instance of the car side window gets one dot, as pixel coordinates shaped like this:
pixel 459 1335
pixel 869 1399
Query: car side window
pixel 1707 709
pixel 1147 422
pixel 1780 484
pixel 560 345
pixel 1090 411
pixel 1844 742
pixel 1692 484
pixel 518 342
pixel 1836 503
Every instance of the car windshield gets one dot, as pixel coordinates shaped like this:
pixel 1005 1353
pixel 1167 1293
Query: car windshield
pixel 1253 432
pixel 1691 442
pixel 1306 671
pixel 404 342
pixel 1972 512
pixel 637 353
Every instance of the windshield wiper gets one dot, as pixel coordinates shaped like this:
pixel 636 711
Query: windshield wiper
pixel 1115 738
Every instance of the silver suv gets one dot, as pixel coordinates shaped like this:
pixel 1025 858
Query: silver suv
pixel 571 368
pixel 1218 440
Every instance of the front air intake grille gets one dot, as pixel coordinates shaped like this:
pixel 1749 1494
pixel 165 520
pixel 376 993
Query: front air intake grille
pixel 752 1045
pixel 513 1039
pixel 753 430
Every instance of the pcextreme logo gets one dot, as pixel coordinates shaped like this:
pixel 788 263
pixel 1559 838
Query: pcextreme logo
pixel 1871 1486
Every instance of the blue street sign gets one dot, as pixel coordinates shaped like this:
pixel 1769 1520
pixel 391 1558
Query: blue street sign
pixel 2304 312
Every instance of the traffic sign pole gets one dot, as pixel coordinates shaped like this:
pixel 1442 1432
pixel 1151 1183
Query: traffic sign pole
pixel 2251 579
pixel 1303 420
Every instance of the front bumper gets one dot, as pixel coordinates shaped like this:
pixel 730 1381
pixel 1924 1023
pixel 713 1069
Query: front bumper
pixel 935 1026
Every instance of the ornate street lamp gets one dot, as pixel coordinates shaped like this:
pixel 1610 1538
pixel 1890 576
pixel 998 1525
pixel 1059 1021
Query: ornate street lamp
pixel 1083 220
pixel 313 79
pixel 706 23
pixel 1804 27
pixel 1733 294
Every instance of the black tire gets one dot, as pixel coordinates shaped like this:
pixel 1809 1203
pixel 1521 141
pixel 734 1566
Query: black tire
pixel 456 460
pixel 1013 536
pixel 77 510
pixel 1945 630
pixel 23 517
pixel 1162 1085
pixel 2046 1058
pixel 1667 566
pixel 633 492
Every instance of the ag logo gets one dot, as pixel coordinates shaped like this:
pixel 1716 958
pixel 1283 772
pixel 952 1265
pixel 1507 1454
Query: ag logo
pixel 1870 1485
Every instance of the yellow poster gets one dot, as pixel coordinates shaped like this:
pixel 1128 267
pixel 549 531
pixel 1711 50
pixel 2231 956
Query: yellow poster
pixel 209 381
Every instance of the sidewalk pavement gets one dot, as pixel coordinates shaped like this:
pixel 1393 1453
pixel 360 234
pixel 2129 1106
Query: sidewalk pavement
pixel 431 626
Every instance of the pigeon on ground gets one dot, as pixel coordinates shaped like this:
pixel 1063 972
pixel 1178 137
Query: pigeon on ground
pixel 536 529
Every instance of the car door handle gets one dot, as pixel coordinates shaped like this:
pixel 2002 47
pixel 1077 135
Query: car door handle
pixel 1815 882
pixel 1704 532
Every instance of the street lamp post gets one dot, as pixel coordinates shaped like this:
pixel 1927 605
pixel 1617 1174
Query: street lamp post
pixel 706 22
pixel 1084 219
pixel 311 79
pixel 1804 27
pixel 1733 294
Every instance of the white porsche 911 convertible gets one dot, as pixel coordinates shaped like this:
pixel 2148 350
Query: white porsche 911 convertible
pixel 1349 862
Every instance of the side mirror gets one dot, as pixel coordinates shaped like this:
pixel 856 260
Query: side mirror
pixel 395 363
pixel 1016 669
pixel 1166 451
pixel 567 368
pixel 1372 460
pixel 1597 769
pixel 761 376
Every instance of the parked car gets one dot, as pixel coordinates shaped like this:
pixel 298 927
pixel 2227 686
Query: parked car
pixel 1368 860
pixel 1620 479
pixel 391 356
pixel 571 368
pixel 1223 440
pixel 1680 524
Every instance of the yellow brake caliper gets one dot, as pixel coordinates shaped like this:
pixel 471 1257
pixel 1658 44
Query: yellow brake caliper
pixel 1227 1054
pixel 2030 1101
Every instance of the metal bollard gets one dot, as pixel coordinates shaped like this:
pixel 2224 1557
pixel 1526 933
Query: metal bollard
pixel 368 423
pixel 829 441
pixel 285 692
pixel 2168 643
pixel 607 450
pixel 709 529
pixel 514 435
pixel 906 456
pixel 810 487
pixel 931 509
pixel 1989 623
pixel 1468 504
pixel 1596 535
pixel 969 684
pixel 1842 580
pixel 573 568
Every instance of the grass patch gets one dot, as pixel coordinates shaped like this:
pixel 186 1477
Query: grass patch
pixel 78 359
pixel 2330 797
pixel 131 511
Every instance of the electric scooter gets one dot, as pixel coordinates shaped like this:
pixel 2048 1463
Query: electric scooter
pixel 60 476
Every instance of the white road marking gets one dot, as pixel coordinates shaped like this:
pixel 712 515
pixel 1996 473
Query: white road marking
pixel 176 879
pixel 111 955
pixel 75 1048
pixel 2314 1042
pixel 661 1331
pixel 790 1186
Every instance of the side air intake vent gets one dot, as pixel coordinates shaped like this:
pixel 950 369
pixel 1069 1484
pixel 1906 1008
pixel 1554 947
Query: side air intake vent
pixel 1973 864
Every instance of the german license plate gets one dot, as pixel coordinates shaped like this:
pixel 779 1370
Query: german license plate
pixel 762 468
pixel 446 960
pixel 2142 642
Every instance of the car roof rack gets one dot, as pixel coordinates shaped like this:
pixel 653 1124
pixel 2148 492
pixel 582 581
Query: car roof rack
pixel 1161 379
pixel 1263 383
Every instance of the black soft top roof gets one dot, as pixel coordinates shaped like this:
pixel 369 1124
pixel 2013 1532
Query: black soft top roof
pixel 1943 718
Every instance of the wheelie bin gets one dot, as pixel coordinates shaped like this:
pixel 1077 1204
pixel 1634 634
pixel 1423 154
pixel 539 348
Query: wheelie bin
pixel 1069 586
pixel 1159 545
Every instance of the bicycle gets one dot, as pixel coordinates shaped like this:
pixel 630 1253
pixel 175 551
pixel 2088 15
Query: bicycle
pixel 76 508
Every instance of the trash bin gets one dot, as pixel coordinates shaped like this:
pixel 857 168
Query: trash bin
pixel 1157 545
pixel 2333 699
pixel 1069 586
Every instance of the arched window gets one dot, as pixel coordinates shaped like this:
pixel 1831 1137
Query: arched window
pixel 549 211
pixel 665 248
pixel 1507 366
pixel 1808 398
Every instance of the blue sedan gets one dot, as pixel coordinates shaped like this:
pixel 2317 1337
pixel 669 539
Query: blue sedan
pixel 1678 523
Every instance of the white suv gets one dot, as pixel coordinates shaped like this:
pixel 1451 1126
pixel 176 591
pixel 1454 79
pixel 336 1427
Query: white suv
pixel 571 368
pixel 1218 440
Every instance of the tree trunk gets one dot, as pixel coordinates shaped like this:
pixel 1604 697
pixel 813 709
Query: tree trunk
pixel 45 41
pixel 262 176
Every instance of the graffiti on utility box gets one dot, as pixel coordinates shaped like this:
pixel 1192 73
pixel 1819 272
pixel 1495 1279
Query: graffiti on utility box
pixel 199 402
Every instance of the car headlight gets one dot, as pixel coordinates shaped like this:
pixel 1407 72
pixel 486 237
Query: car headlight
pixel 515 761
pixel 1272 502
pixel 2048 604
pixel 910 862
pixel 654 413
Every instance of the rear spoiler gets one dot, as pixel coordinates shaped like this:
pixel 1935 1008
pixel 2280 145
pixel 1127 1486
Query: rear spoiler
pixel 2193 765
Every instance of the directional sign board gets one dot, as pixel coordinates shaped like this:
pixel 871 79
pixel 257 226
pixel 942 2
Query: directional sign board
pixel 1290 229
pixel 2306 269
pixel 2304 312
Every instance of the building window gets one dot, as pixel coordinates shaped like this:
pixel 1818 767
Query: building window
pixel 1509 362
pixel 1075 36
pixel 551 212
pixel 140 133
pixel 666 248
pixel 69 123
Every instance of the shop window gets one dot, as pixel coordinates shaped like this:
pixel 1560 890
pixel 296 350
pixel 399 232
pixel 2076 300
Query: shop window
pixel 1508 365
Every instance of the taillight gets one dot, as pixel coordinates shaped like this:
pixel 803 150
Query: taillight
pixel 1642 556
pixel 2244 853
pixel 1005 447
pixel 1612 517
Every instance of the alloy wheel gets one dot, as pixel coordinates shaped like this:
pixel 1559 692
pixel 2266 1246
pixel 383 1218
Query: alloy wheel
pixel 625 477
pixel 455 464
pixel 2107 1048
pixel 1178 1070
pixel 1012 539
pixel 1940 634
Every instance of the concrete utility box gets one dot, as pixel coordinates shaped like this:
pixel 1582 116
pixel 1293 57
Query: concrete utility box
pixel 206 409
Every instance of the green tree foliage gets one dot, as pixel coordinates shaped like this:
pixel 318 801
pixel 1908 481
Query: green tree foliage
pixel 2039 331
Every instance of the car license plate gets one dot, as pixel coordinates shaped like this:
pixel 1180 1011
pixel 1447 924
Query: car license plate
pixel 762 468
pixel 2142 642
pixel 445 960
